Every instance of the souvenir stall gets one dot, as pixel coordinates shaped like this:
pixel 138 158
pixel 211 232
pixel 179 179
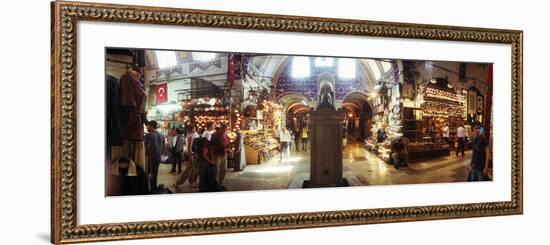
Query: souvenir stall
pixel 262 121
pixel 169 116
pixel 260 146
pixel 126 108
pixel 386 122
pixel 206 110
pixel 236 155
pixel 442 105
pixel 439 105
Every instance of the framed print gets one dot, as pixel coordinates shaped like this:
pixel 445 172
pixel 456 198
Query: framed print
pixel 176 122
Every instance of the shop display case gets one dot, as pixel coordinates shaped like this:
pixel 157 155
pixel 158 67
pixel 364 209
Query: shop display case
pixel 259 146
pixel 425 149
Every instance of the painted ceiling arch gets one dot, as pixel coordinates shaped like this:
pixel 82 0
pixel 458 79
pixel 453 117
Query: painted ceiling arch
pixel 357 100
pixel 277 66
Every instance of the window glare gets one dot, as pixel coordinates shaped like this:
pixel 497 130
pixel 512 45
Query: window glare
pixel 166 58
pixel 300 67
pixel 374 68
pixel 202 56
pixel 386 66
pixel 346 68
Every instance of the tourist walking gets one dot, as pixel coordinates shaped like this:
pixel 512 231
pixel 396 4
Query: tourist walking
pixel 304 137
pixel 154 143
pixel 177 150
pixel 190 173
pixel 479 165
pixel 460 139
pixel 219 143
pixel 285 139
pixel 207 132
pixel 207 167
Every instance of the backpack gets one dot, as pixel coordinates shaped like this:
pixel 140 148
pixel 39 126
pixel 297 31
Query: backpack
pixel 196 146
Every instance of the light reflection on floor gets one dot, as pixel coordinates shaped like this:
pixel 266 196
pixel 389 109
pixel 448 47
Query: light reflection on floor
pixel 370 170
pixel 274 169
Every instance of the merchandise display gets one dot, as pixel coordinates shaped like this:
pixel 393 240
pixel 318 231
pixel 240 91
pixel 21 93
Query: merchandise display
pixel 275 118
pixel 203 120
pixel 443 102
pixel 426 149
pixel 260 146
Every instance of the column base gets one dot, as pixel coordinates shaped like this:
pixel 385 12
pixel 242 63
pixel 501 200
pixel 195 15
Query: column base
pixel 308 184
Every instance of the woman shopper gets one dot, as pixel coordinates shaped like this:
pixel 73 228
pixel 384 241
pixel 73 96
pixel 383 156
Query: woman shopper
pixel 191 166
pixel 304 138
pixel 207 175
pixel 285 141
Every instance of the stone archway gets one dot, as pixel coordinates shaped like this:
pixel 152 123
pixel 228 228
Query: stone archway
pixel 358 114
pixel 295 107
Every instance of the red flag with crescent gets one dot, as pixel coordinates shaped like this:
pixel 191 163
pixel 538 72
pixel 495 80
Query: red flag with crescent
pixel 161 93
pixel 231 69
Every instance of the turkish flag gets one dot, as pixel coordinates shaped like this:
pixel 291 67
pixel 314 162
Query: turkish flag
pixel 231 69
pixel 161 93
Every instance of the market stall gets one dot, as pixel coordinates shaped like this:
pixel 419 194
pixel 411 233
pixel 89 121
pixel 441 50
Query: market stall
pixel 259 146
pixel 259 123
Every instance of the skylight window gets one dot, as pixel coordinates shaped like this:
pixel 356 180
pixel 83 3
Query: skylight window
pixel 347 68
pixel 374 68
pixel 386 66
pixel 300 67
pixel 324 61
pixel 202 56
pixel 166 58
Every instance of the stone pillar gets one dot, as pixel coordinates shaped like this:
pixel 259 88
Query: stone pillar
pixel 326 148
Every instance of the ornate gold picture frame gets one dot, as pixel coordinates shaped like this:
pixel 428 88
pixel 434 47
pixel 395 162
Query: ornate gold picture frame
pixel 64 188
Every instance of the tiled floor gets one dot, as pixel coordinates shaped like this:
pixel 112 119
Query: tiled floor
pixel 360 168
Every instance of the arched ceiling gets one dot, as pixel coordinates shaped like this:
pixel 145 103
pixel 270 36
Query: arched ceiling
pixel 355 101
pixel 268 64
pixel 293 102
pixel 298 107
pixel 271 66
pixel 301 110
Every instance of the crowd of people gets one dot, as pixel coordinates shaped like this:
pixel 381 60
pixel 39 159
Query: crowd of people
pixel 299 137
pixel 203 155
pixel 198 158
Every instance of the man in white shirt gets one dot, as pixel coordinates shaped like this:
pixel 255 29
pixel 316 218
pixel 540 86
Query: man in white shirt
pixel 460 138
pixel 285 141
pixel 208 132
pixel 446 133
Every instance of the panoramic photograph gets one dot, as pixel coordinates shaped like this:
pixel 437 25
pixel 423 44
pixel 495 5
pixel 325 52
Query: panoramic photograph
pixel 187 121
